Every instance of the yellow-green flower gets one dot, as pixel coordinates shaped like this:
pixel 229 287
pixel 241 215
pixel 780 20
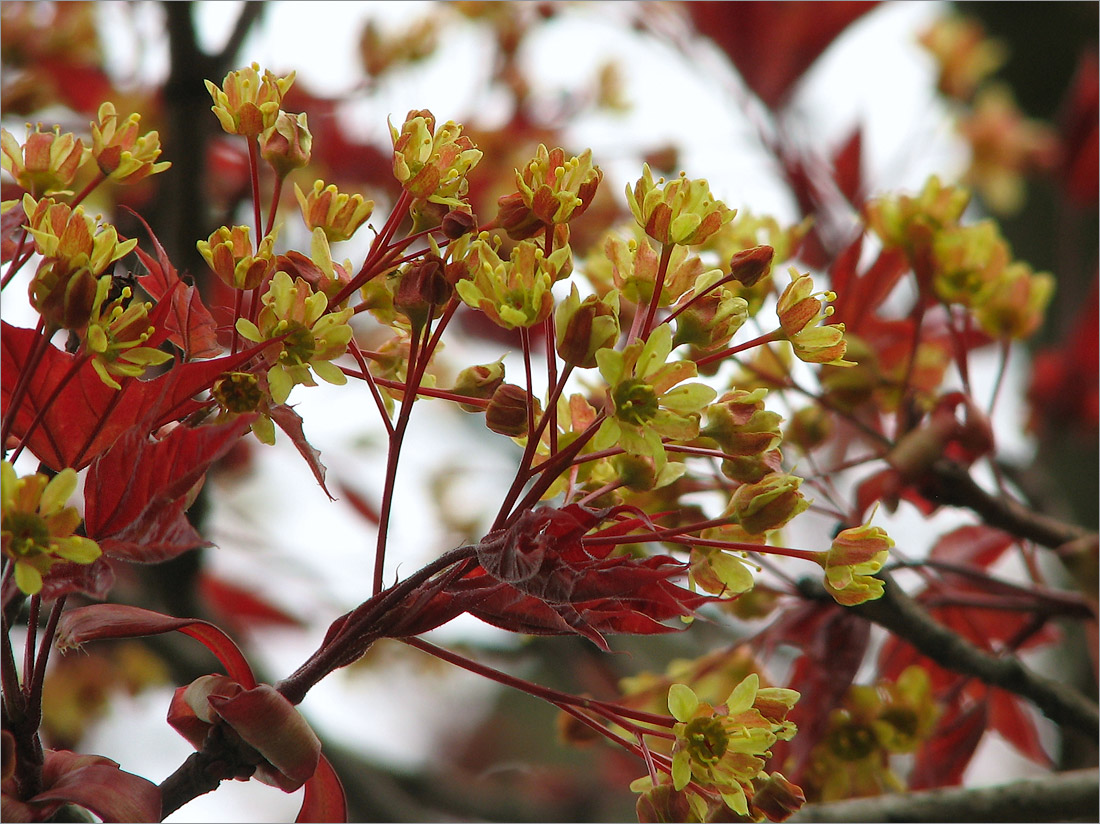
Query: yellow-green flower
pixel 724 748
pixel 247 104
pixel 557 189
pixel 115 333
pixel 239 393
pixel 46 163
pixel 855 556
pixel 230 255
pixel 1013 306
pixel 647 399
pixel 799 310
pixel 37 527
pixel 336 213
pixel 908 223
pixel 432 164
pixel 634 264
pixel 515 292
pixel 311 336
pixel 681 211
pixel 76 250
pixel 121 153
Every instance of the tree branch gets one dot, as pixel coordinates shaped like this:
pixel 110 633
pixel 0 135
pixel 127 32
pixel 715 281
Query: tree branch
pixel 950 483
pixel 1070 796
pixel 901 615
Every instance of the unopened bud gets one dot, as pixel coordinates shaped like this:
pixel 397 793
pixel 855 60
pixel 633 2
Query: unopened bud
pixel 750 265
pixel 457 223
pixel 516 218
pixel 423 289
pixel 768 504
pixel 478 382
pixel 507 411
pixel 287 143
pixel 586 326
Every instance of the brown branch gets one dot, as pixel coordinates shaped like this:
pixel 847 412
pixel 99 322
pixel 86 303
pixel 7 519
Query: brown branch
pixel 1070 796
pixel 949 482
pixel 901 615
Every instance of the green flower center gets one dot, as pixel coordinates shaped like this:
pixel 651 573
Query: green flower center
pixel 852 742
pixel 707 740
pixel 635 402
pixel 29 534
pixel 238 392
pixel 298 346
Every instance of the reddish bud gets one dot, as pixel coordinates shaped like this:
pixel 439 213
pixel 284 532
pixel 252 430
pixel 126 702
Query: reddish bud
pixel 750 265
pixel 507 411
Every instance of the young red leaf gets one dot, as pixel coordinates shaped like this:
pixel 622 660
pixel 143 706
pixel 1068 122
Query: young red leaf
pixel 100 621
pixel 942 761
pixel 190 325
pixel 135 493
pixel 11 223
pixel 94 783
pixel 239 609
pixel 974 545
pixel 271 725
pixel 86 416
pixel 847 171
pixel 324 799
pixel 773 44
pixel 1009 717
pixel 94 579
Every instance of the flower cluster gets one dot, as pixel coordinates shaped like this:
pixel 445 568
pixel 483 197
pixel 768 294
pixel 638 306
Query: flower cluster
pixel 38 526
pixel 722 749
pixel 872 723
pixel 970 265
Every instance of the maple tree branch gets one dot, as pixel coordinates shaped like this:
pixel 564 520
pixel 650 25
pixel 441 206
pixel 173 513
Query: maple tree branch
pixel 1069 796
pixel 950 483
pixel 901 615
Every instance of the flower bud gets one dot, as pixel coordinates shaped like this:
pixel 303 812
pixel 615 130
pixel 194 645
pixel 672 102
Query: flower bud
pixel 480 381
pixel 287 143
pixel 768 504
pixel 750 265
pixel 752 468
pixel 711 320
pixel 458 222
pixel 423 289
pixel 507 410
pixel 516 218
pixel 776 798
pixel 585 327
